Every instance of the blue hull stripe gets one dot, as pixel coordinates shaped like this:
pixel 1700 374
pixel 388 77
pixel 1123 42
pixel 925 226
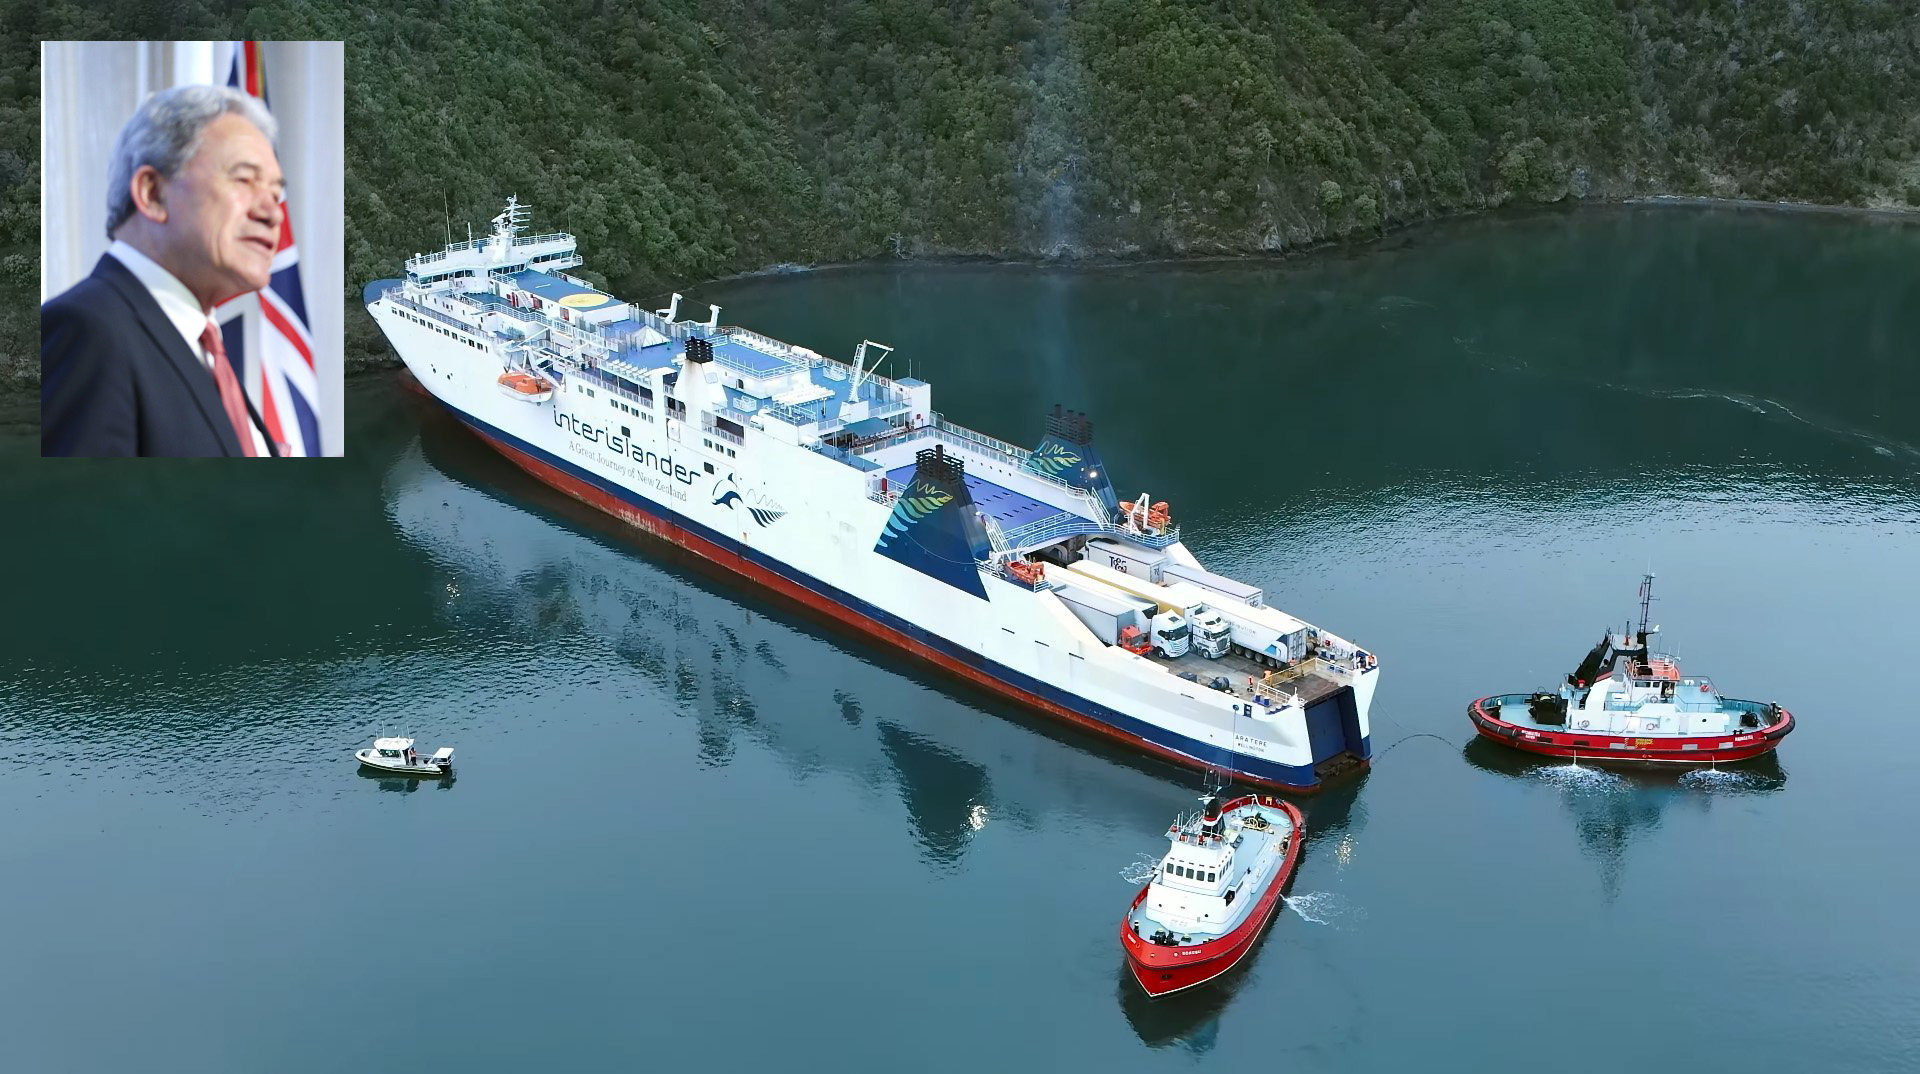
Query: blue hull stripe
pixel 1288 775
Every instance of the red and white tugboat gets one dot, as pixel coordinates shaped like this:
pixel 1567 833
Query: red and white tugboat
pixel 1628 704
pixel 1213 893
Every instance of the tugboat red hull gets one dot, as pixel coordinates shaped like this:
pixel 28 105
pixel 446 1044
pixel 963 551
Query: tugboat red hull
pixel 1629 749
pixel 1163 970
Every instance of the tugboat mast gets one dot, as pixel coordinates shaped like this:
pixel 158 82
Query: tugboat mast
pixel 1646 603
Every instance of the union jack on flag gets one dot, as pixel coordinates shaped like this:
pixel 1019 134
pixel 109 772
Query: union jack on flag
pixel 265 332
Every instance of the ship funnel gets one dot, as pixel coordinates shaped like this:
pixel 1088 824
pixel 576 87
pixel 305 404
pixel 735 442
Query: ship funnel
pixel 1066 453
pixel 935 527
pixel 1210 815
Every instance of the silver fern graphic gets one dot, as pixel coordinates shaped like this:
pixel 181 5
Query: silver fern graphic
pixel 919 501
pixel 1053 458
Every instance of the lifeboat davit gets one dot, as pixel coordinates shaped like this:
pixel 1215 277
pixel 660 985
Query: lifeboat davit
pixel 1213 894
pixel 525 387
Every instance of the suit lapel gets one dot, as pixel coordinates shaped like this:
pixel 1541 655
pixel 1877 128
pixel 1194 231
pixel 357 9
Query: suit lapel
pixel 179 357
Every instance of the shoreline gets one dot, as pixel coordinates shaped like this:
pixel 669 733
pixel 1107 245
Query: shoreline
pixel 1350 243
pixel 14 397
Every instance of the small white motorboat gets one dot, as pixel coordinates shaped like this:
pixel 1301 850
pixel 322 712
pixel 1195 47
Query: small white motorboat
pixel 397 755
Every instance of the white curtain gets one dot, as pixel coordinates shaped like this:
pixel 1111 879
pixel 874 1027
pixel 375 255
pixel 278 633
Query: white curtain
pixel 89 89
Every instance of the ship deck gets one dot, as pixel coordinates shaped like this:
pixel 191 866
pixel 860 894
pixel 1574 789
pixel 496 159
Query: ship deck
pixel 554 289
pixel 1238 669
pixel 1008 508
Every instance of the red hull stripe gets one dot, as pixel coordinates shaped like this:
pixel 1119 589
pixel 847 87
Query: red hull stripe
pixel 1033 693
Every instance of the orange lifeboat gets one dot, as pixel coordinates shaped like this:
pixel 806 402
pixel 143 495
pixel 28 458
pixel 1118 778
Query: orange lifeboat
pixel 525 387
pixel 1027 574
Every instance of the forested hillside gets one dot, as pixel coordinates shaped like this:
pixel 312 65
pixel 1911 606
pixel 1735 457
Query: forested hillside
pixel 682 140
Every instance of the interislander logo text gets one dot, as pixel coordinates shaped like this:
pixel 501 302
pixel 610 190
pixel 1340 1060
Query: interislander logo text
pixel 621 446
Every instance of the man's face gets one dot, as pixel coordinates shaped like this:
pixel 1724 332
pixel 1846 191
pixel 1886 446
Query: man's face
pixel 223 213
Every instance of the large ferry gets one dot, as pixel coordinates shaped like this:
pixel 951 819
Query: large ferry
pixel 1022 571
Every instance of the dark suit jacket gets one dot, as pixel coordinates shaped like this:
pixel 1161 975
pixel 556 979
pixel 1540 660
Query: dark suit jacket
pixel 116 378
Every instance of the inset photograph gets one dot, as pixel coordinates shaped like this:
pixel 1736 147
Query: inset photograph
pixel 191 257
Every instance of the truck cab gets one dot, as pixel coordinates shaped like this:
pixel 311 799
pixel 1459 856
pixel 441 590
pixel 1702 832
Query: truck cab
pixel 1171 635
pixel 1211 634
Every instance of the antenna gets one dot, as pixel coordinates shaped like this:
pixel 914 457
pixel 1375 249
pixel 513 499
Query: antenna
pixel 446 215
pixel 860 369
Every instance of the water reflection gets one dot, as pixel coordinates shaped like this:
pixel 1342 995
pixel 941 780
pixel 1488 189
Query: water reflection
pixel 948 797
pixel 404 784
pixel 747 673
pixel 1612 807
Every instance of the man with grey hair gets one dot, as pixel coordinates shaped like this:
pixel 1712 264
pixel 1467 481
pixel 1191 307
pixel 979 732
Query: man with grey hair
pixel 131 362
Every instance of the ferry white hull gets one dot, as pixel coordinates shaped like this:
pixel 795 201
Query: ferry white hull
pixel 803 524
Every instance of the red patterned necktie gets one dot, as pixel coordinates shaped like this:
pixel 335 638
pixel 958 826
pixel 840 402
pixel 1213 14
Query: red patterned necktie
pixel 230 397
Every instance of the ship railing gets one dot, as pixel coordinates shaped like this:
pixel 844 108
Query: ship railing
pixel 420 260
pixel 1268 688
pixel 996 446
pixel 995 539
pixel 997 569
pixel 1312 665
pixel 801 356
pixel 790 414
pixel 855 461
pixel 879 489
pixel 1017 457
pixel 766 345
pixel 735 364
pixel 588 334
pixel 1051 528
pixel 1078 500
pixel 418 307
pixel 1167 539
pixel 710 428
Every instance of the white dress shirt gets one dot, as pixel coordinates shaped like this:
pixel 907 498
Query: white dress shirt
pixel 183 310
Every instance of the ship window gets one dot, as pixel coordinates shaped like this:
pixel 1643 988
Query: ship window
pixel 1186 872
pixel 709 467
pixel 624 431
pixel 1169 868
pixel 1210 878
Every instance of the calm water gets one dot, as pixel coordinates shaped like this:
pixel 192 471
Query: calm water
pixel 692 828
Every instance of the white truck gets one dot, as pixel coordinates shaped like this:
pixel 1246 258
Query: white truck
pixel 1112 617
pixel 1230 588
pixel 1264 635
pixel 1160 630
pixel 1142 563
pixel 1210 632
